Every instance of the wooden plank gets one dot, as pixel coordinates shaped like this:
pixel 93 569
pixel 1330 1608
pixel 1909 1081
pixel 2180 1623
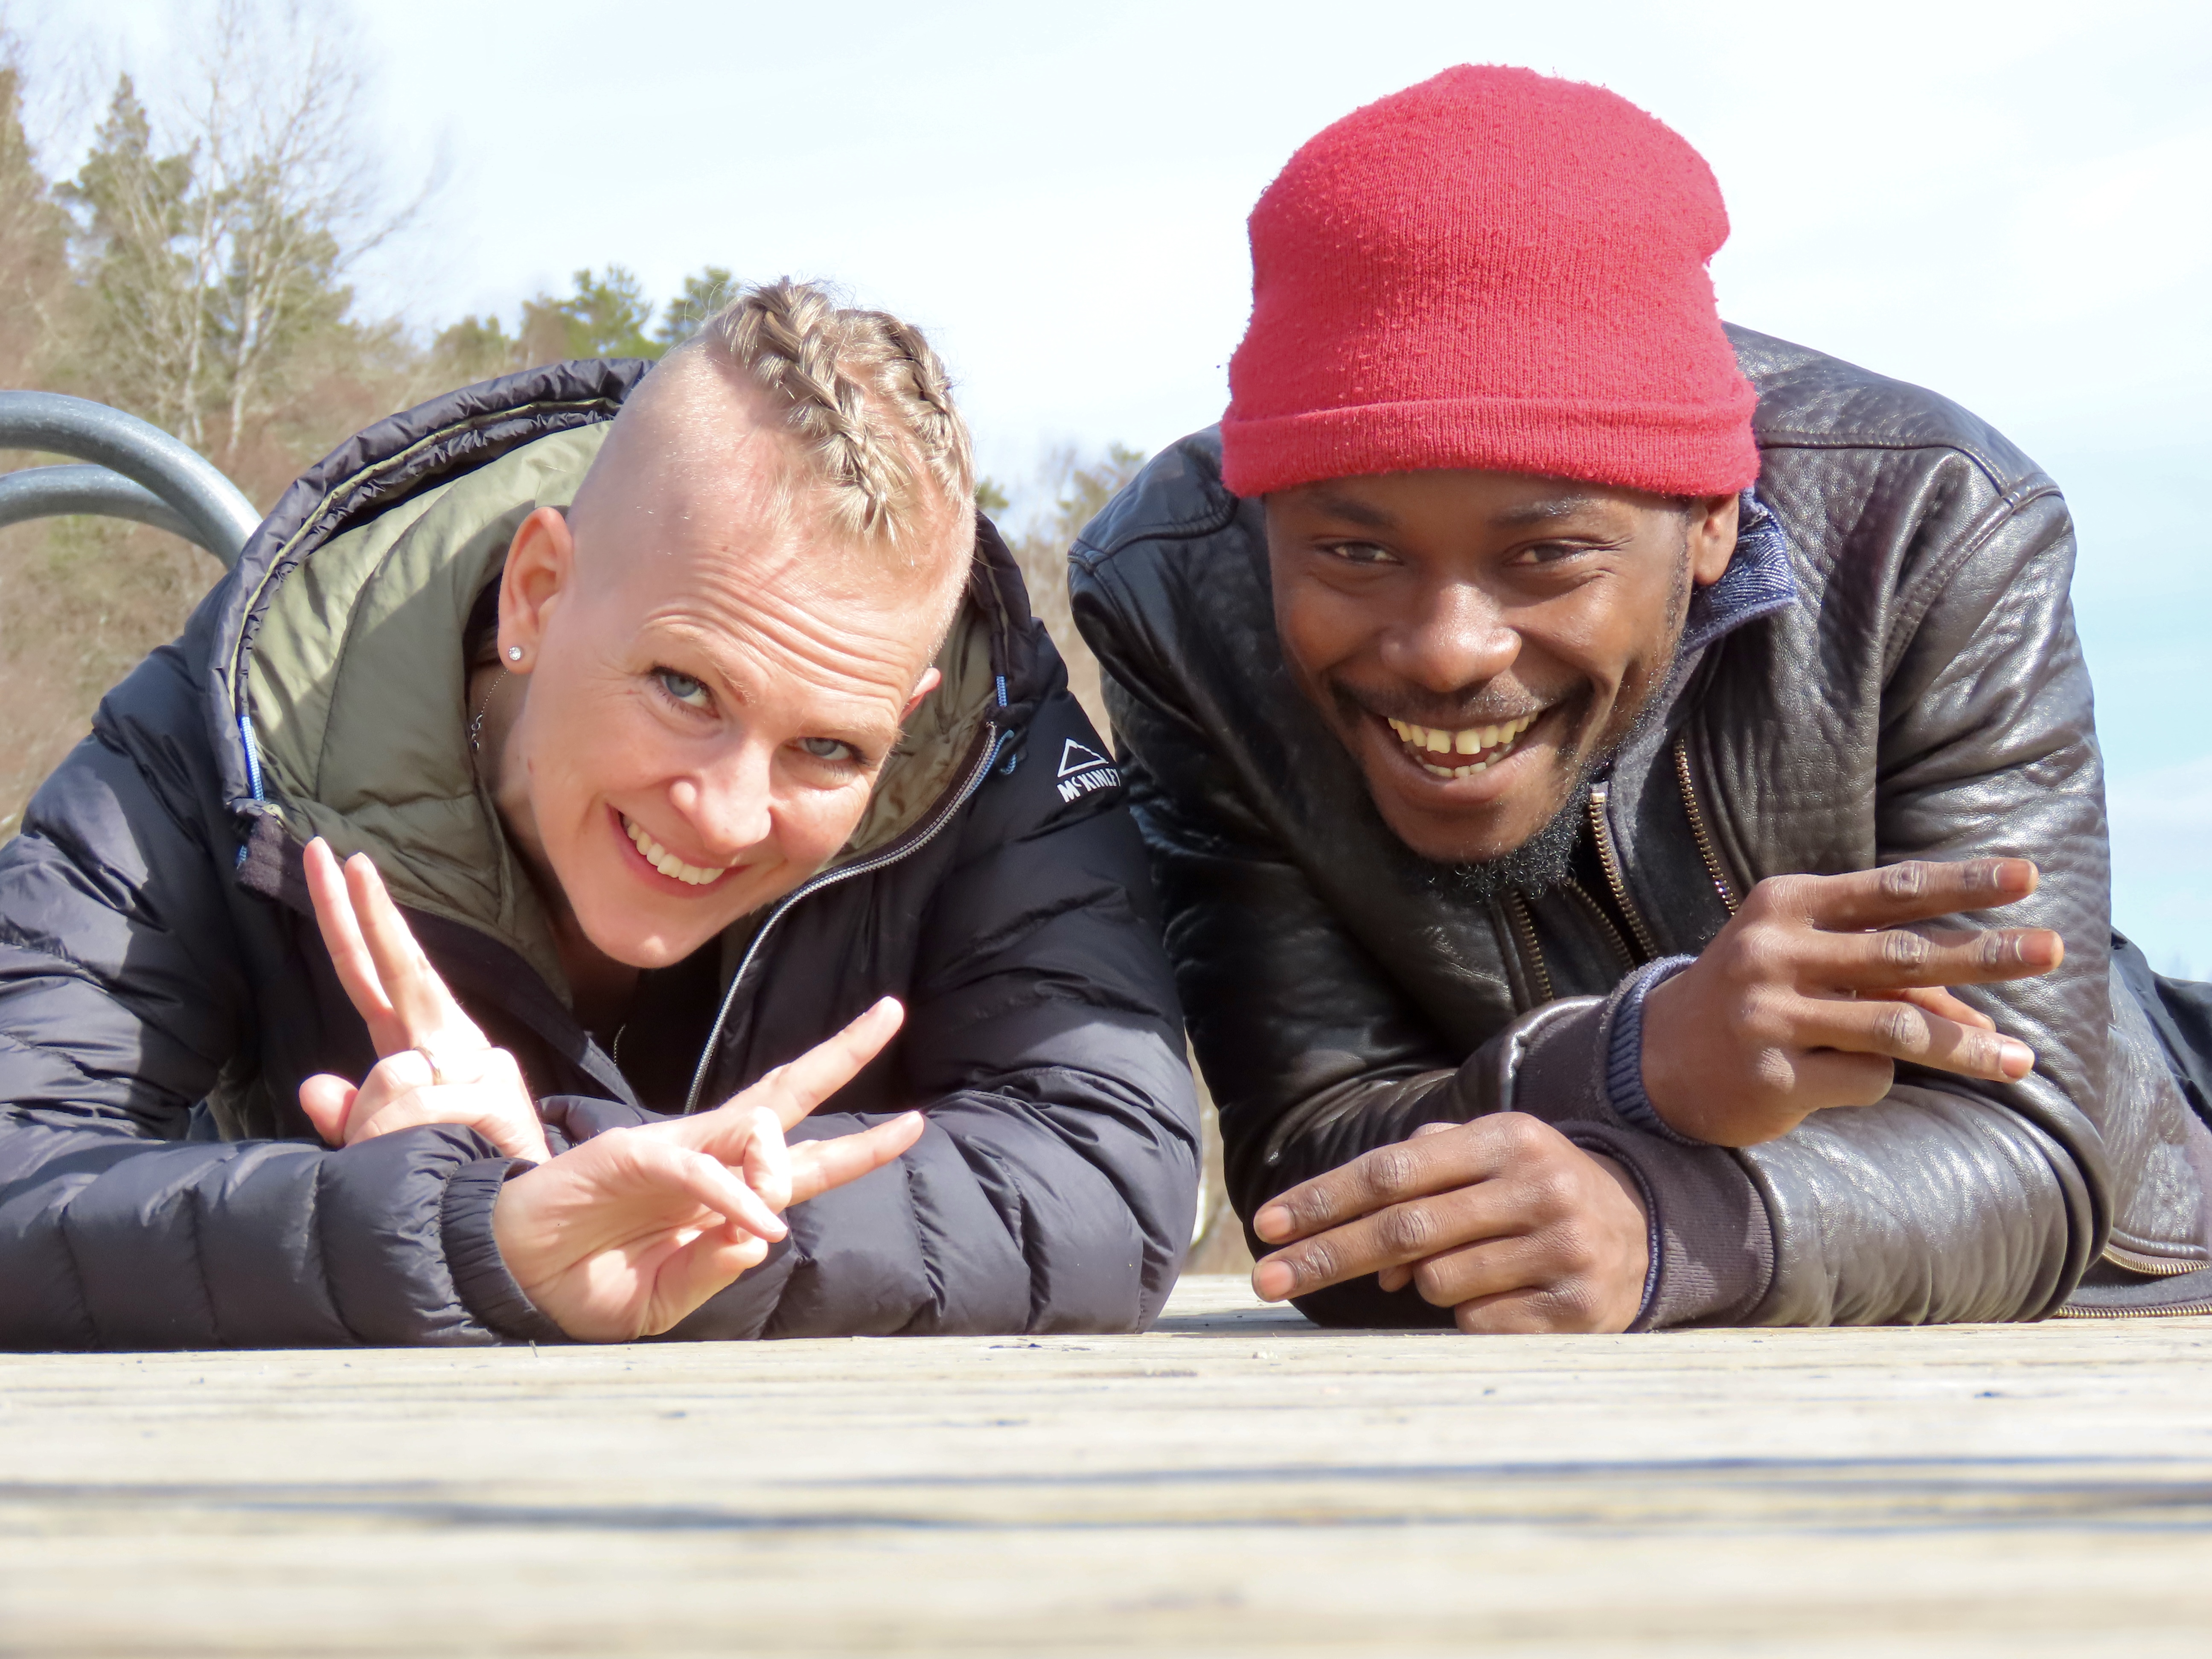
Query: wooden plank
pixel 1235 1482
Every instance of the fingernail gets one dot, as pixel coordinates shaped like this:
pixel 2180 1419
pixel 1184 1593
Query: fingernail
pixel 2016 1058
pixel 1272 1280
pixel 1274 1221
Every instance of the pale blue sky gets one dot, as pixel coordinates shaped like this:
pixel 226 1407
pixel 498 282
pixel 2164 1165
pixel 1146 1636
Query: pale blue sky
pixel 2009 202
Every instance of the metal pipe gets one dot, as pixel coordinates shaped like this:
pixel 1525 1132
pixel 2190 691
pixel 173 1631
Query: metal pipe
pixel 210 508
pixel 48 492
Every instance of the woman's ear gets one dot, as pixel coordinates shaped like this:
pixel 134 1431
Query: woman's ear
pixel 1712 536
pixel 541 566
pixel 930 680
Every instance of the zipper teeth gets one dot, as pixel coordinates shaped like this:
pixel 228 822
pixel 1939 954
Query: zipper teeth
pixel 1721 884
pixel 1524 924
pixel 929 832
pixel 1611 865
pixel 1604 920
pixel 2120 1257
pixel 2181 1311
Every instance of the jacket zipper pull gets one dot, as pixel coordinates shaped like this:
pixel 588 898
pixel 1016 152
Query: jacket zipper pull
pixel 1601 830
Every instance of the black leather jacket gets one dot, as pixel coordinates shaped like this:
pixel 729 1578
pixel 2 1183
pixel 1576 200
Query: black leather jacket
pixel 1924 696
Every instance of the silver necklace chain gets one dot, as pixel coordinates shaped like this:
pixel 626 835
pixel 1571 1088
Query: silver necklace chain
pixel 476 726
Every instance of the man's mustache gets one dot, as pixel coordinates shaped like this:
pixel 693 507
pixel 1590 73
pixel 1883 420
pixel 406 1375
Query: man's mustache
pixel 1354 702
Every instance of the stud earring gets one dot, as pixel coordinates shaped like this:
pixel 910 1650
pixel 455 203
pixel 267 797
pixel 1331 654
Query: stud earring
pixel 515 654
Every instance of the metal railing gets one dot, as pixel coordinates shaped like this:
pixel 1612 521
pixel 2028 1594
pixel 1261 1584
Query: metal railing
pixel 138 471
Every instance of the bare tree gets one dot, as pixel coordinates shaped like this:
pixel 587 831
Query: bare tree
pixel 296 193
pixel 214 262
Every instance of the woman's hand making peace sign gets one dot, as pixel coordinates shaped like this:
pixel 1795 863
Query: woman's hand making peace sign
pixel 621 1237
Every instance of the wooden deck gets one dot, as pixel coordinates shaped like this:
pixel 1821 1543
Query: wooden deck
pixel 1234 1483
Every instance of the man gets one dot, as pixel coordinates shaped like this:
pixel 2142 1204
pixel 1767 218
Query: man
pixel 1560 729
pixel 680 718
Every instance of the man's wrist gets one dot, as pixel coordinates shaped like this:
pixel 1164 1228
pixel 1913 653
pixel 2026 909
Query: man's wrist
pixel 1631 1183
pixel 1625 1087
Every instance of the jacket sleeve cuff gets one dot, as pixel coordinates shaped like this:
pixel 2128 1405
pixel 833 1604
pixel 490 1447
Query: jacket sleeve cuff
pixel 480 1274
pixel 1623 1064
pixel 1711 1244
pixel 569 1121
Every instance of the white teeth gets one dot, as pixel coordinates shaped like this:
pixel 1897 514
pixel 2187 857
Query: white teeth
pixel 1468 740
pixel 667 863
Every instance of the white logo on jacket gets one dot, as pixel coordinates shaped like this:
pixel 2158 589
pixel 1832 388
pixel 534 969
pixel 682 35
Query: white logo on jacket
pixel 1083 769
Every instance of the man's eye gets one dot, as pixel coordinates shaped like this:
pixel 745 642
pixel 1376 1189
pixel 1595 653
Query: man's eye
pixel 1546 553
pixel 683 689
pixel 830 748
pixel 1359 553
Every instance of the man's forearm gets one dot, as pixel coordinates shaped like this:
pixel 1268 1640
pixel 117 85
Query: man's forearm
pixel 1930 1207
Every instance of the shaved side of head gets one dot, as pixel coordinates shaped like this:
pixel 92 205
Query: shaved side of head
pixel 698 462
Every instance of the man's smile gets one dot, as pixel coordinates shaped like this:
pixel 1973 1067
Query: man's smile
pixel 1462 751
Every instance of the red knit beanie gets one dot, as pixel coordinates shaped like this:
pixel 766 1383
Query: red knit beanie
pixel 1497 270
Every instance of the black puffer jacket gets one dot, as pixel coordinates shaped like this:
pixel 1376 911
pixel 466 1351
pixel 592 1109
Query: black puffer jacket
pixel 1924 697
pixel 163 983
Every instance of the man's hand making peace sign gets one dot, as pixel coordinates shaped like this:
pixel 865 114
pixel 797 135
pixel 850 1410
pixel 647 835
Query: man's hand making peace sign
pixel 621 1237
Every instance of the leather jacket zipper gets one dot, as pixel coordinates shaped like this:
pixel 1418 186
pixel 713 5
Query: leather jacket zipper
pixel 1597 911
pixel 1646 949
pixel 2180 1310
pixel 1721 884
pixel 2151 1267
pixel 1610 863
pixel 1532 953
pixel 916 839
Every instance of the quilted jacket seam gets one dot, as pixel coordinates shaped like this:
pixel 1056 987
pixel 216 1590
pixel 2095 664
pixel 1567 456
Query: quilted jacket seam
pixel 1913 603
pixel 314 1232
pixel 84 1302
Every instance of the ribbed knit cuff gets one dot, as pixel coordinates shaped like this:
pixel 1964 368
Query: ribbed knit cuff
pixel 480 1273
pixel 1624 1061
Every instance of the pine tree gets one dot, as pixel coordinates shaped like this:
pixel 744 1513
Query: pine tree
pixel 703 295
pixel 35 275
pixel 146 244
pixel 604 317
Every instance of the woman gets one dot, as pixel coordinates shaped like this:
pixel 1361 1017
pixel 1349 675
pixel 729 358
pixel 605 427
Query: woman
pixel 686 717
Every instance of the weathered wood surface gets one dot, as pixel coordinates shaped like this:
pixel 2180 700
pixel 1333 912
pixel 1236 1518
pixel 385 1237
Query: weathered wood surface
pixel 1237 1482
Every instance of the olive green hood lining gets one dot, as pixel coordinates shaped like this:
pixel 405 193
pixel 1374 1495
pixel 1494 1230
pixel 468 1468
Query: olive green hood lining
pixel 357 685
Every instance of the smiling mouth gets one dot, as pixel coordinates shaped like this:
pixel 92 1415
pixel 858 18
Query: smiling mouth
pixel 691 875
pixel 1461 752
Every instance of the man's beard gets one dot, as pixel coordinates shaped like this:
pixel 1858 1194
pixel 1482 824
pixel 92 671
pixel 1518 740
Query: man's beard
pixel 1536 866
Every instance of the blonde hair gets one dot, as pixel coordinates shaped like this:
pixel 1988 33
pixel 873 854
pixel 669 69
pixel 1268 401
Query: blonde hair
pixel 864 399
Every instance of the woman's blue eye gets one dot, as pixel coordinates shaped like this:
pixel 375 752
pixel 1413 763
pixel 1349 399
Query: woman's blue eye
pixel 682 687
pixel 827 749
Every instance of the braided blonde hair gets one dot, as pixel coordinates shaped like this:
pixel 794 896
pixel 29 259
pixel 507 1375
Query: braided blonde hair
pixel 864 398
